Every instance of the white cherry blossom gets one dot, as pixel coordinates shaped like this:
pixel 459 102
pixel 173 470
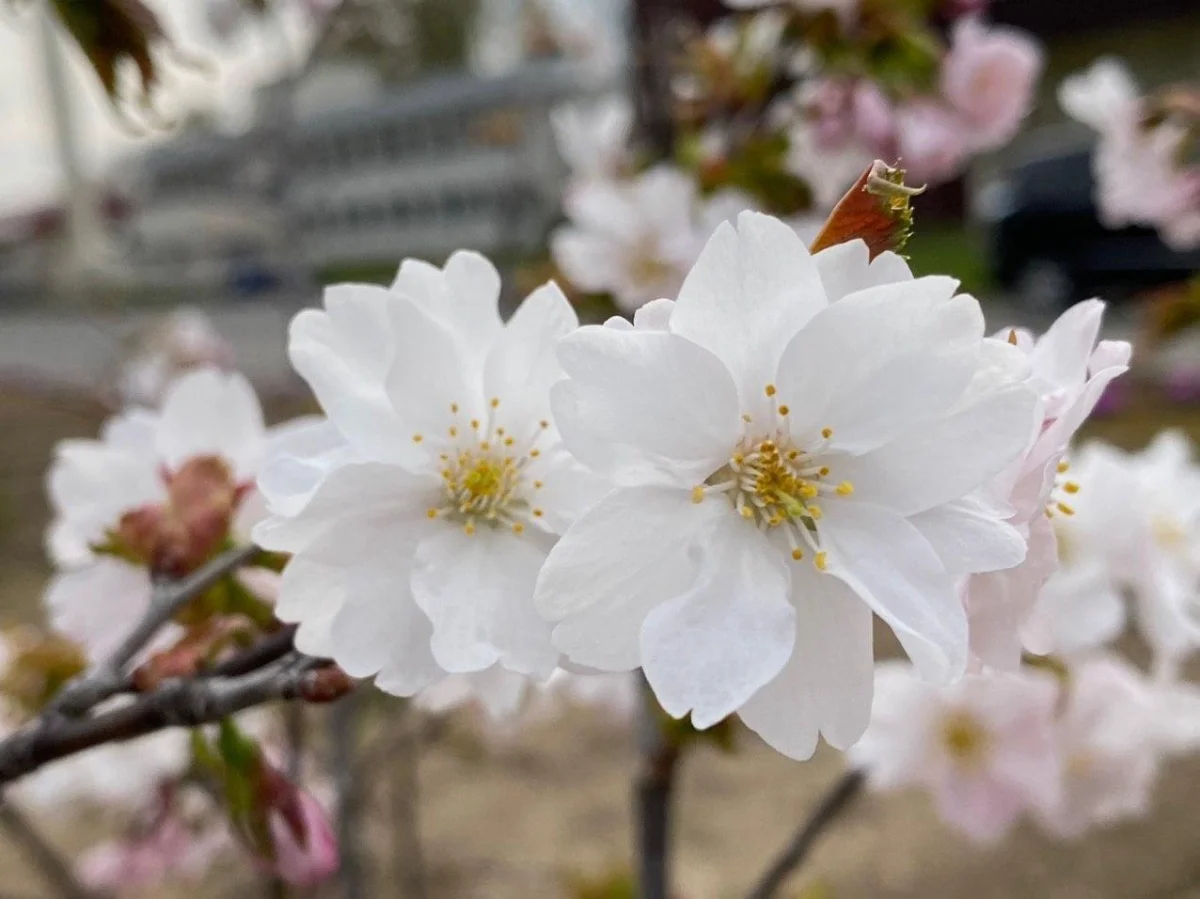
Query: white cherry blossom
pixel 95 598
pixel 984 747
pixel 419 515
pixel 786 445
pixel 1069 371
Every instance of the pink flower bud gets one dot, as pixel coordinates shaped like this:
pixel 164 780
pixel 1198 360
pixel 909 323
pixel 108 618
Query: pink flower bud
pixel 304 845
pixel 932 142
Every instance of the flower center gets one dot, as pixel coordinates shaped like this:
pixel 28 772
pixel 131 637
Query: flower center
pixel 484 474
pixel 775 484
pixel 963 738
pixel 646 269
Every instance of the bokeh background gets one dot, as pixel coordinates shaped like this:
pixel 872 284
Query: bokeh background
pixel 303 147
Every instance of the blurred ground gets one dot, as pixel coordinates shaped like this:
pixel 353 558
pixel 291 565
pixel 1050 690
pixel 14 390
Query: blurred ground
pixel 512 821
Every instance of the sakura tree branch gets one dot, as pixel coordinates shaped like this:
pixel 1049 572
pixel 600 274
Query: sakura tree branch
pixel 832 804
pixel 177 703
pixel 53 867
pixel 271 647
pixel 109 678
pixel 344 723
pixel 653 789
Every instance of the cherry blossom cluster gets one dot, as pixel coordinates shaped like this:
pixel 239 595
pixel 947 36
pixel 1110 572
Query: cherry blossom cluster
pixel 780 109
pixel 161 492
pixel 720 493
pixel 1145 173
pixel 1075 736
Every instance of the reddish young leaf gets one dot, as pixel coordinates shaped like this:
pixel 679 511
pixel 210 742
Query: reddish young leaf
pixel 876 209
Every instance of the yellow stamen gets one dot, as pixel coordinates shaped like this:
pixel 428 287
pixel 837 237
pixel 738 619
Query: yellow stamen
pixel 518 528
pixel 495 401
pixel 845 488
pixel 431 513
pixel 797 554
pixel 1064 508
pixel 821 560
pixel 827 433
pixel 417 438
pixel 770 390
pixel 783 409
pixel 538 513
pixel 697 494
pixel 1071 487
pixel 469 529
pixel 1064 467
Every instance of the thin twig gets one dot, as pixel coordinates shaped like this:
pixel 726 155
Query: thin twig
pixel 54 868
pixel 177 703
pixel 832 804
pixel 343 737
pixel 271 647
pixel 108 678
pixel 653 789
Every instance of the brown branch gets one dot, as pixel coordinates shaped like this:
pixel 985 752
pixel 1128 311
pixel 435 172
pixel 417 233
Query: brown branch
pixel 108 677
pixel 837 800
pixel 177 703
pixel 271 647
pixel 653 790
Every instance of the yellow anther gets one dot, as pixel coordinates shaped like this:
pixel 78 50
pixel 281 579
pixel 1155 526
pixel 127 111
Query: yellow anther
pixel 518 528
pixel 827 433
pixel 534 453
pixel 508 441
pixel 1064 467
pixel 845 488
pixel 1012 336
pixel 770 390
pixel 543 424
pixel 431 513
pixel 809 491
pixel 746 512
pixel 738 459
pixel 453 431
pixel 538 485
pixel 797 554
pixel 417 438
pixel 783 409
pixel 538 513
pixel 484 445
pixel 469 529
pixel 823 471
pixel 495 401
pixel 499 432
pixel 475 424
pixel 1064 508
pixel 697 494
pixel 815 513
pixel 746 418
pixel 1071 487
pixel 454 408
pixel 793 455
pixel 821 560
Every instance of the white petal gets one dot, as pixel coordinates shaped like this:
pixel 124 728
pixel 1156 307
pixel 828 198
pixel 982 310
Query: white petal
pixel 97 605
pixel 478 592
pixel 1061 355
pixel 298 460
pixel 892 567
pixel 645 406
pixel 847 268
pixel 212 413
pixel 944 460
pixel 366 501
pixel 462 298
pixel 522 364
pixel 344 353
pixel 827 683
pixel 968 539
pixel 380 631
pixel 654 316
pixel 428 377
pixel 710 649
pixel 879 358
pixel 630 552
pixel 750 291
pixel 310 595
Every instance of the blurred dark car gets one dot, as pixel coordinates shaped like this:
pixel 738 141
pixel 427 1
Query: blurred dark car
pixel 1049 247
